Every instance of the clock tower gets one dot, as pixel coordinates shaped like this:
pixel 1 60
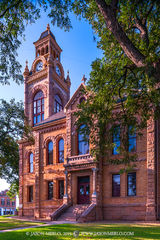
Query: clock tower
pixel 46 89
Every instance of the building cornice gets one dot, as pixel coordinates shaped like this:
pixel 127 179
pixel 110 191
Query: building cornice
pixel 37 75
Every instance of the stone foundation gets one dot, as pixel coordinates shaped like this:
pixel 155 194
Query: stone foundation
pixel 124 212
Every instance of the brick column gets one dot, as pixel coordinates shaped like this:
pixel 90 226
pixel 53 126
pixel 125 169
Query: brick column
pixel 37 176
pixel 50 107
pixel 65 197
pixel 25 75
pixel 94 194
pixel 69 134
pixel 20 212
pixel 151 172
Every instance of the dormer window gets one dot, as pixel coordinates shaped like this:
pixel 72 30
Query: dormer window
pixel 57 104
pixel 38 107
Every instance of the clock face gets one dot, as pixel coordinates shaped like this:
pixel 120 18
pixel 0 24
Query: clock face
pixel 39 66
pixel 58 71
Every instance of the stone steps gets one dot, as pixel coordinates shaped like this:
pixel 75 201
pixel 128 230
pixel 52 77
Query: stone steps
pixel 73 212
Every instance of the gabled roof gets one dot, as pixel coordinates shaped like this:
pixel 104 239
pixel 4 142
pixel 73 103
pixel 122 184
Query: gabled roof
pixel 82 86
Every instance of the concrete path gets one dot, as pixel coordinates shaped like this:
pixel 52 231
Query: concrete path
pixel 43 225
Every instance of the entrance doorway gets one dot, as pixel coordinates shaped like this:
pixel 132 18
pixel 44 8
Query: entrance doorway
pixel 83 193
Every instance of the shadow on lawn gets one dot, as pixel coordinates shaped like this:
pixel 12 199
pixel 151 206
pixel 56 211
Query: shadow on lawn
pixel 94 232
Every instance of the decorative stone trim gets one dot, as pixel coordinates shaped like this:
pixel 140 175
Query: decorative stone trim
pixel 59 136
pixel 50 129
pixel 56 62
pixel 40 58
pixel 26 154
pixel 37 75
pixel 37 88
pixel 50 138
pixel 80 158
pixel 80 166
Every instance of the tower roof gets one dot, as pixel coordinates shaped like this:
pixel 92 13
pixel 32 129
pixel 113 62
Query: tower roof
pixel 46 33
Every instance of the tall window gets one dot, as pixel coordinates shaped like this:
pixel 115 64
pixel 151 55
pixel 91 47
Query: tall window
pixel 131 184
pixel 50 190
pixel 31 163
pixel 116 140
pixel 8 202
pixel 50 153
pixel 2 201
pixel 30 193
pixel 61 189
pixel 57 104
pixel 61 151
pixel 38 107
pixel 83 141
pixel 116 185
pixel 131 139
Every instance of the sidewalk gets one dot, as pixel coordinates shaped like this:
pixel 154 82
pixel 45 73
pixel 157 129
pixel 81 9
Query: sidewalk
pixel 43 225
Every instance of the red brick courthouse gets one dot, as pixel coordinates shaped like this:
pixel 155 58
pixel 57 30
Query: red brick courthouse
pixel 58 176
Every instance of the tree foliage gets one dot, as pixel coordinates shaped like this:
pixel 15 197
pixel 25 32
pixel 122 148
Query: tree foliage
pixel 123 86
pixel 12 128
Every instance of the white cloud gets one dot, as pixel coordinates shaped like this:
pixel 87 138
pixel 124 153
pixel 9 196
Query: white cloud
pixel 3 185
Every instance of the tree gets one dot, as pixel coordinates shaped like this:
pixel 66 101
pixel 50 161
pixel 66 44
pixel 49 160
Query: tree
pixel 12 128
pixel 128 74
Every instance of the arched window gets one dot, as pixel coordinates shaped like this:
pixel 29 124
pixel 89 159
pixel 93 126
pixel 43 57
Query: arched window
pixel 38 107
pixel 50 153
pixel 57 104
pixel 83 141
pixel 61 151
pixel 31 162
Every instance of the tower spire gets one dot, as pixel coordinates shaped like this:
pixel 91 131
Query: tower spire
pixel 68 79
pixel 26 71
pixel 48 27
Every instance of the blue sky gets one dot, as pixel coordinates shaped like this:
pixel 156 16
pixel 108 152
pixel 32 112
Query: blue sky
pixel 79 50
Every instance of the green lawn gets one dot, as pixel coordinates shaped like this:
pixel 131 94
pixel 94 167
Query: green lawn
pixel 8 223
pixel 66 232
